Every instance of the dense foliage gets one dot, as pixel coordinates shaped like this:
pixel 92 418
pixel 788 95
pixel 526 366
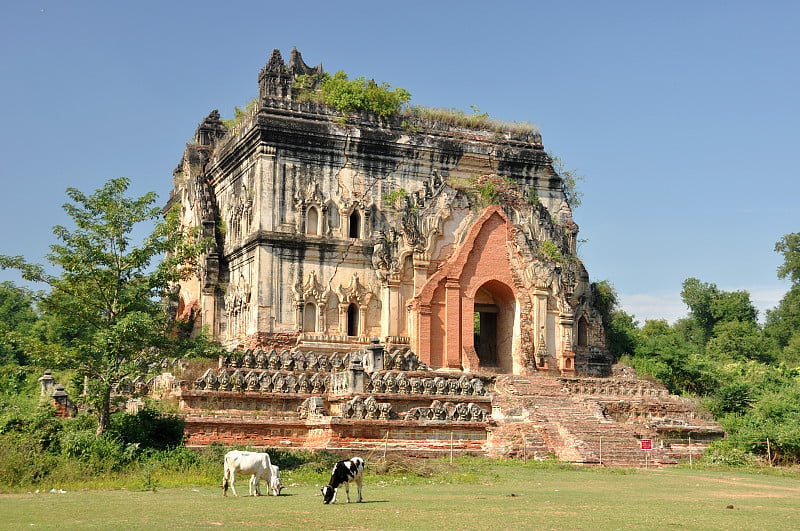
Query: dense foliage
pixel 747 374
pixel 104 317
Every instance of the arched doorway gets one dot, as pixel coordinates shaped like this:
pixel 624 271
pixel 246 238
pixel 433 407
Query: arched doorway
pixel 493 326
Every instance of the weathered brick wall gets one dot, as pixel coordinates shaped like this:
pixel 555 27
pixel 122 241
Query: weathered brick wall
pixel 267 340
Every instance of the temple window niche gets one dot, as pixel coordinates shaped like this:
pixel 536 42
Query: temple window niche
pixel 355 225
pixel 310 317
pixel 352 320
pixel 312 221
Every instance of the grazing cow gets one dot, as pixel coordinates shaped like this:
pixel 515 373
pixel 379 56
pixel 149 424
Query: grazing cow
pixel 257 464
pixel 275 483
pixel 343 473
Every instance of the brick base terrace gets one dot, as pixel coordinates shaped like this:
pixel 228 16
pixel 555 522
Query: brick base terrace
pixel 416 412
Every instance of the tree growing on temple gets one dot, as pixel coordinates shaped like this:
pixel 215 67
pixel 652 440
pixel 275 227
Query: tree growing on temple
pixel 107 296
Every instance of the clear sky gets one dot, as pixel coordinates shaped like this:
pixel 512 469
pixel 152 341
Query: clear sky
pixel 683 116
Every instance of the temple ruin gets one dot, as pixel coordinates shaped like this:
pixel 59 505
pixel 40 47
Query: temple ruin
pixel 456 243
pixel 379 278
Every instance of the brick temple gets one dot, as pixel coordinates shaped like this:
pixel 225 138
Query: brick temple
pixel 360 261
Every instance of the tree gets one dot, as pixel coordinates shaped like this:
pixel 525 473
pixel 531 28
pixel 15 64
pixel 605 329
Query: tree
pixel 783 322
pixel 17 317
pixel 622 333
pixel 738 341
pixel 108 293
pixel 789 245
pixel 709 305
pixel 604 299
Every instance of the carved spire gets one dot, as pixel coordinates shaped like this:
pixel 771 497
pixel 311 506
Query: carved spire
pixel 210 129
pixel 277 79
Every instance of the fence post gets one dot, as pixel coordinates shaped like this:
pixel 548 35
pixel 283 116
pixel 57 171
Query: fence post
pixel 601 451
pixel 769 453
pixel 524 449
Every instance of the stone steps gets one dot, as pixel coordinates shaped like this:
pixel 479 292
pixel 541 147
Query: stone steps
pixel 537 416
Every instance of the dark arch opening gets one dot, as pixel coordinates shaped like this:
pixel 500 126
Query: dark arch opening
pixel 352 320
pixel 355 224
pixel 493 321
pixel 485 333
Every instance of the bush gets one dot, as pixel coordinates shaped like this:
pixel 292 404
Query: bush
pixel 102 452
pixel 729 455
pixel 347 95
pixel 148 429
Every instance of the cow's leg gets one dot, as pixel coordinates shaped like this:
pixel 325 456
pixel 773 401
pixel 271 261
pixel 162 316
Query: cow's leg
pixel 233 480
pixel 347 491
pixel 358 485
pixel 255 485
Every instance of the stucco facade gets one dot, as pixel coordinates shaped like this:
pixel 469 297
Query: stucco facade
pixel 456 243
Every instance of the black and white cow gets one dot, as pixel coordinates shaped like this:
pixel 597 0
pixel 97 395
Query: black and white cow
pixel 343 473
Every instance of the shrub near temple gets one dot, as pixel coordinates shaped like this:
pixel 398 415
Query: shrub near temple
pixel 359 94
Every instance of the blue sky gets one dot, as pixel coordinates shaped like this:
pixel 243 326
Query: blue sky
pixel 682 116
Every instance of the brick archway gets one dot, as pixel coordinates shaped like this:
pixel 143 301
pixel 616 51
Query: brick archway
pixel 444 309
pixel 494 318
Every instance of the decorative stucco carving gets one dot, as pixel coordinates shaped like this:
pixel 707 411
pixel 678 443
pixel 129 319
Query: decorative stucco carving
pixel 354 292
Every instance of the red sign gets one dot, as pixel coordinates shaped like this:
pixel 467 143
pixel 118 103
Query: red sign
pixel 647 444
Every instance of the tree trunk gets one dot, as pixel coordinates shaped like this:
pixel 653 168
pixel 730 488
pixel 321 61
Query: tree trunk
pixel 104 411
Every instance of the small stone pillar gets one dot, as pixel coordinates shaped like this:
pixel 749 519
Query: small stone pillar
pixel 48 383
pixel 374 357
pixel 356 375
pixel 62 403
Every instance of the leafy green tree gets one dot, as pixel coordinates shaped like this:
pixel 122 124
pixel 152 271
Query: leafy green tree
pixel 709 305
pixel 17 317
pixel 738 341
pixel 620 327
pixel 662 352
pixel 108 293
pixel 622 333
pixel 789 246
pixel 783 322
pixel 604 299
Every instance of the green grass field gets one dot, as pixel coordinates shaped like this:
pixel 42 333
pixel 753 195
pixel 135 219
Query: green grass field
pixel 476 495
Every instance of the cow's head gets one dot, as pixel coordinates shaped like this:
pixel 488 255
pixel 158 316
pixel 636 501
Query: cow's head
pixel 276 486
pixel 328 493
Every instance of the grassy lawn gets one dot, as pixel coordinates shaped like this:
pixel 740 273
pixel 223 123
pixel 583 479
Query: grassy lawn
pixel 477 495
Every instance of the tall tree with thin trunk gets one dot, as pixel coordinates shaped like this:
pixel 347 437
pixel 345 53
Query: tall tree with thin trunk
pixel 110 289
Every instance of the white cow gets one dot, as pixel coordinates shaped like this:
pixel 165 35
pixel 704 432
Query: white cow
pixel 256 464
